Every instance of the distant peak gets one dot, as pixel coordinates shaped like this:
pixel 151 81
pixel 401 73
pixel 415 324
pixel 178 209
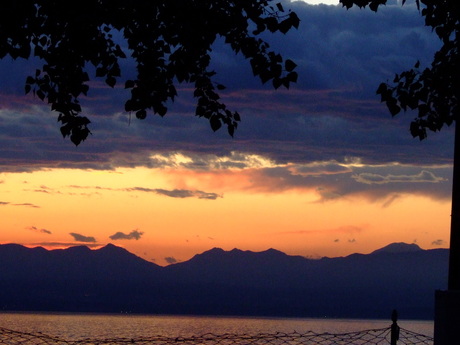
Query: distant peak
pixel 273 251
pixel 80 248
pixel 111 248
pixel 400 247
pixel 215 250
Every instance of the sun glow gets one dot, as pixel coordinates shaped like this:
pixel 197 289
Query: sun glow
pixel 184 205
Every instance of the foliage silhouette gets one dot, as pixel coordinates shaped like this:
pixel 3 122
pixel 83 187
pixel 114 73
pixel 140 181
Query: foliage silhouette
pixel 434 91
pixel 169 40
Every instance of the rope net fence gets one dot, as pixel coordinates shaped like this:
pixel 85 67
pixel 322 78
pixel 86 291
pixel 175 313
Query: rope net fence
pixel 373 336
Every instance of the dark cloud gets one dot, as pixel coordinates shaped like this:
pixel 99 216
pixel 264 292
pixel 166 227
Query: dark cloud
pixel 438 242
pixel 177 193
pixel 332 112
pixel 330 179
pixel 26 204
pixel 170 260
pixel 174 193
pixel 423 176
pixel 392 198
pixel 35 229
pixel 82 238
pixel 46 190
pixel 353 178
pixel 133 235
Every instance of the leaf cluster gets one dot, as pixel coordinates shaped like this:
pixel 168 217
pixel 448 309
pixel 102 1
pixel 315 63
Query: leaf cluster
pixel 169 40
pixel 433 92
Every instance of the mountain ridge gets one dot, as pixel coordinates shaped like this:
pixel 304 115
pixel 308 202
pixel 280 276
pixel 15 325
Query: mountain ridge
pixel 218 282
pixel 399 247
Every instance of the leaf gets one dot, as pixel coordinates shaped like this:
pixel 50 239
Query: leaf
pixel 129 84
pixel 231 130
pixel 65 130
pixel 84 89
pixel 382 89
pixel 162 110
pixel 111 81
pixel 277 82
pixel 129 105
pixel 141 114
pixel 280 7
pixel 215 122
pixel 290 65
pixel 393 108
pixel 220 87
pixel 101 72
pixel 294 19
pixel 272 24
pixel 79 135
pixel 374 6
pixel 40 94
pixel 285 25
pixel 292 77
pixel 347 3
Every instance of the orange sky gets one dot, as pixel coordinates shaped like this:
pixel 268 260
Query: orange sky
pixel 245 208
pixel 321 169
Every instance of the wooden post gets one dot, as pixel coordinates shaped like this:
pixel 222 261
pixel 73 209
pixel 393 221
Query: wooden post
pixel 394 328
pixel 454 252
pixel 447 303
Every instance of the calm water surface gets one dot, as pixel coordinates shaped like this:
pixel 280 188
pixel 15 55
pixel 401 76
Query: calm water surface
pixel 80 326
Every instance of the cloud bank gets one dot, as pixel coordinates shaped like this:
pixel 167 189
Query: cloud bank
pixel 43 231
pixel 332 112
pixel 133 235
pixel 82 238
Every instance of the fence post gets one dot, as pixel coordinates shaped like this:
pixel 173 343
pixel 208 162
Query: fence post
pixel 394 328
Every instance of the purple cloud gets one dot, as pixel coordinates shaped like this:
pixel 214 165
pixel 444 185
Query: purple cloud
pixel 133 235
pixel 170 260
pixel 35 229
pixel 82 238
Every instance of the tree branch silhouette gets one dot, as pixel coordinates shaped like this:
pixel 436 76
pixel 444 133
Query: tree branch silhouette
pixel 169 40
pixel 434 91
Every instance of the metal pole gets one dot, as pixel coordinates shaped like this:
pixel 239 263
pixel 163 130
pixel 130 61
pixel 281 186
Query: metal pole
pixel 454 252
pixel 394 328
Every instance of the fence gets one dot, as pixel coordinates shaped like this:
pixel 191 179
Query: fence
pixel 392 335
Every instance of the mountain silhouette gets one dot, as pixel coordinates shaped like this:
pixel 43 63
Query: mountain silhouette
pixel 218 282
pixel 398 248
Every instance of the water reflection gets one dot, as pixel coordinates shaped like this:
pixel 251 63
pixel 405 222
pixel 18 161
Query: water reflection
pixel 81 326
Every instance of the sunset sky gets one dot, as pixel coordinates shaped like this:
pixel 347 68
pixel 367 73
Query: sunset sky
pixel 321 169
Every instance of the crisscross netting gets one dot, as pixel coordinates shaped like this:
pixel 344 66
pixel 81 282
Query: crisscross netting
pixel 374 336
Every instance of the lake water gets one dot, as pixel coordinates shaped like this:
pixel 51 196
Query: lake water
pixel 80 326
